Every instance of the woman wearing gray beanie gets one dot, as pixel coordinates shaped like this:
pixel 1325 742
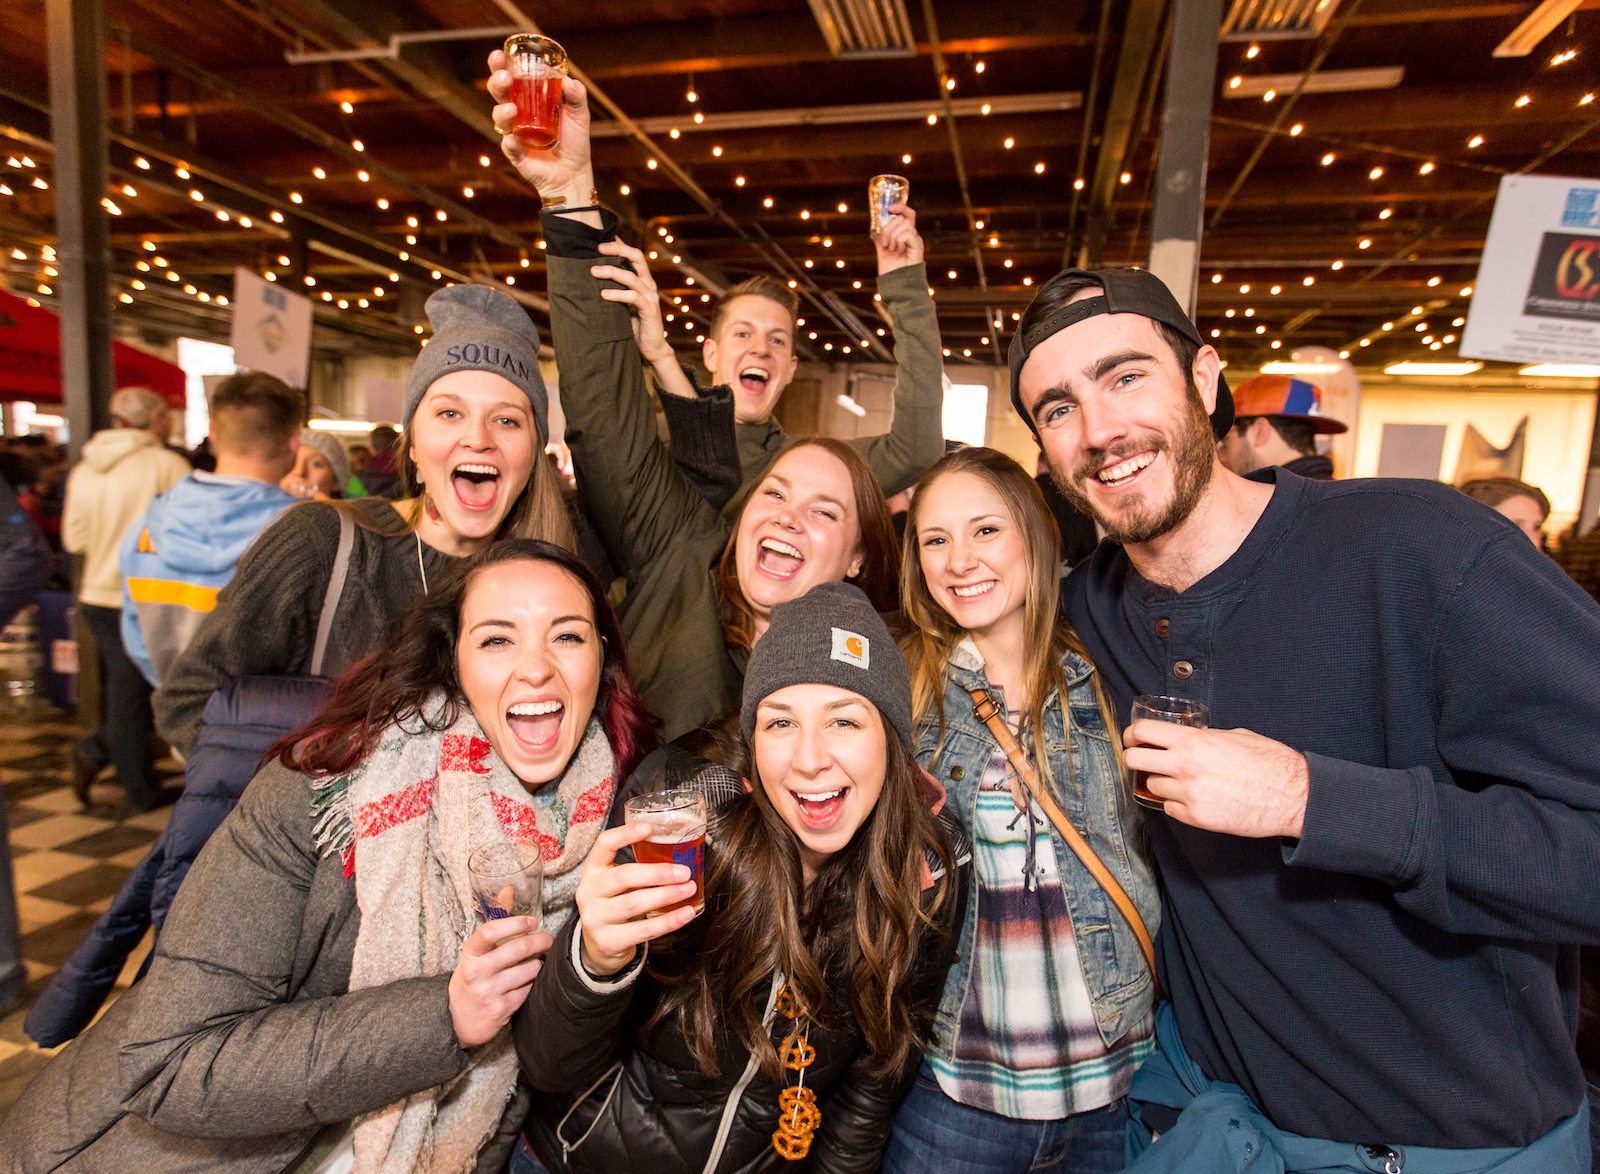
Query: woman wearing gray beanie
pixel 784 1021
pixel 473 469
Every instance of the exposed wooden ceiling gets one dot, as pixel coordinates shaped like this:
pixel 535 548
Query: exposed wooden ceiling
pixel 243 96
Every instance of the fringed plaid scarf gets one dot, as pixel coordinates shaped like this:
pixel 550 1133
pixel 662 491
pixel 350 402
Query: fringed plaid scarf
pixel 404 822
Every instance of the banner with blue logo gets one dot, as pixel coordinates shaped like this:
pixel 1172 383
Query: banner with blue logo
pixel 1537 296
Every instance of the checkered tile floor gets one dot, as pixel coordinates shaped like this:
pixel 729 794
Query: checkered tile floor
pixel 68 863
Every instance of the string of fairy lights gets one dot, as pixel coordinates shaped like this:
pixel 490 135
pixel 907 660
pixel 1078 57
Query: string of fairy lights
pixel 1430 327
pixel 342 294
pixel 824 231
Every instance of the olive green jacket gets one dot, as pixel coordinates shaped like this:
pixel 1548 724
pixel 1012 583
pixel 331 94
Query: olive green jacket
pixel 662 535
pixel 915 439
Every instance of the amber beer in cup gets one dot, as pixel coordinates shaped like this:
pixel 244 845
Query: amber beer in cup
pixel 1178 710
pixel 883 191
pixel 677 822
pixel 538 66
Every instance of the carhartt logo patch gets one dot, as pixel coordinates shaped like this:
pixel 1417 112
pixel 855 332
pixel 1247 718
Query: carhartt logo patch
pixel 852 648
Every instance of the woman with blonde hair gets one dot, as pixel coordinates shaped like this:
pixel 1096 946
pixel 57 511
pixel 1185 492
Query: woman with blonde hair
pixel 1047 1011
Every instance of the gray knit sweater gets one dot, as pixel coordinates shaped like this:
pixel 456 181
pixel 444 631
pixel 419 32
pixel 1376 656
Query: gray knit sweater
pixel 265 622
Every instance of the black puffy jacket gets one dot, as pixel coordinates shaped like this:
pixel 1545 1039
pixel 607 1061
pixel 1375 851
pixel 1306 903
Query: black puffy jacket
pixel 642 1103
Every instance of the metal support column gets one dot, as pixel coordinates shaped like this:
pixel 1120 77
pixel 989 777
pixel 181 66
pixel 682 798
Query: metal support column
pixel 78 129
pixel 1180 187
pixel 1589 511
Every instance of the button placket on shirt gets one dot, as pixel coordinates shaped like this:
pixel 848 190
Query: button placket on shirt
pixel 1185 642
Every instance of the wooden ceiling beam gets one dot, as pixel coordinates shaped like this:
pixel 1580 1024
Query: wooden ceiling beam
pixel 424 68
pixel 782 40
pixel 1398 12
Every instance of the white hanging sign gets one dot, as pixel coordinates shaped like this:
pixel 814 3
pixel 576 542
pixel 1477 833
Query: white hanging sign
pixel 1537 296
pixel 271 328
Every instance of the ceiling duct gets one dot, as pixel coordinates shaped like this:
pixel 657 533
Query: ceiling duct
pixel 1277 20
pixel 1539 24
pixel 865 28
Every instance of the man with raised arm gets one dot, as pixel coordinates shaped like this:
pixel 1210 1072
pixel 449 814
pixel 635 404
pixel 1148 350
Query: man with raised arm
pixel 751 349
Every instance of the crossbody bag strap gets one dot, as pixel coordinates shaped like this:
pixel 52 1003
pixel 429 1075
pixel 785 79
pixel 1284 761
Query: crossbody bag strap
pixel 330 599
pixel 986 711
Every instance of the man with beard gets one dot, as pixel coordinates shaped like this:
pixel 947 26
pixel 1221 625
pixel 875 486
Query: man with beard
pixel 1378 862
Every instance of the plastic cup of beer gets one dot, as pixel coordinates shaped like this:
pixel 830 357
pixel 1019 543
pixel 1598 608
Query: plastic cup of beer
pixel 1177 710
pixel 507 880
pixel 882 191
pixel 538 65
pixel 677 822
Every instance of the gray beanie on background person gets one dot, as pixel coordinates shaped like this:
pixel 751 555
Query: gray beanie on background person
pixel 830 636
pixel 330 449
pixel 476 328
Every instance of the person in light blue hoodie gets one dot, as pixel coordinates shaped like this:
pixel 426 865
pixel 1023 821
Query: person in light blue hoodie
pixel 184 550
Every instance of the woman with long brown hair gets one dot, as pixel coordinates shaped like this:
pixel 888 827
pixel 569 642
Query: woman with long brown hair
pixel 324 987
pixel 1048 1011
pixel 785 1020
pixel 700 588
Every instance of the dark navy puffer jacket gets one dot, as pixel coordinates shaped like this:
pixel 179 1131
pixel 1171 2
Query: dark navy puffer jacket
pixel 241 722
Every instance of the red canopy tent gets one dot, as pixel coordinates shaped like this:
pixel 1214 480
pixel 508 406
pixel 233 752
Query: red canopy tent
pixel 30 358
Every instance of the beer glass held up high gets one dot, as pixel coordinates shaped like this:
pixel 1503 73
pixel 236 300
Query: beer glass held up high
pixel 882 192
pixel 538 66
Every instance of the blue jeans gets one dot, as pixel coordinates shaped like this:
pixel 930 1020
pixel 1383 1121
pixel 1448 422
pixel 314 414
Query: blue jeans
pixel 934 1133
pixel 524 1160
pixel 1594 1121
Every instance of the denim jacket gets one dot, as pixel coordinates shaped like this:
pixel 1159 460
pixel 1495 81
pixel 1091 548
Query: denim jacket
pixel 1100 806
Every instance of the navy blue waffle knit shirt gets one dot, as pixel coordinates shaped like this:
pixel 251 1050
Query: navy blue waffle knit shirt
pixel 1405 972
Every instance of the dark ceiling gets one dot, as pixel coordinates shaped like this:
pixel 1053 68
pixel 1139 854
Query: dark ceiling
pixel 221 114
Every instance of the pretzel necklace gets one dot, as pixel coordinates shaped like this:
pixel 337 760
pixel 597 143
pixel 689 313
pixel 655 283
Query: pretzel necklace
pixel 798 1113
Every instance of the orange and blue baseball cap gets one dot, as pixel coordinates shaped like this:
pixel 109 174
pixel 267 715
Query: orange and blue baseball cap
pixel 1286 398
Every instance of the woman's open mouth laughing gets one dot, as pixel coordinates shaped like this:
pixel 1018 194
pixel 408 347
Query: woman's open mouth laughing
pixel 476 485
pixel 536 725
pixel 820 810
pixel 779 559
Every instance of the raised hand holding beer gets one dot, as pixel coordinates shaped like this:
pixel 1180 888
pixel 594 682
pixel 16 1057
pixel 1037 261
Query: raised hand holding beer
pixel 615 901
pixel 897 240
pixel 562 170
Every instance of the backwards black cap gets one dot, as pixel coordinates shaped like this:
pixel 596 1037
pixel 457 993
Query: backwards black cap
pixel 1127 291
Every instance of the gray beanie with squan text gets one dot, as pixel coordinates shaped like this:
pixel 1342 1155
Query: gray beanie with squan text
pixel 476 328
